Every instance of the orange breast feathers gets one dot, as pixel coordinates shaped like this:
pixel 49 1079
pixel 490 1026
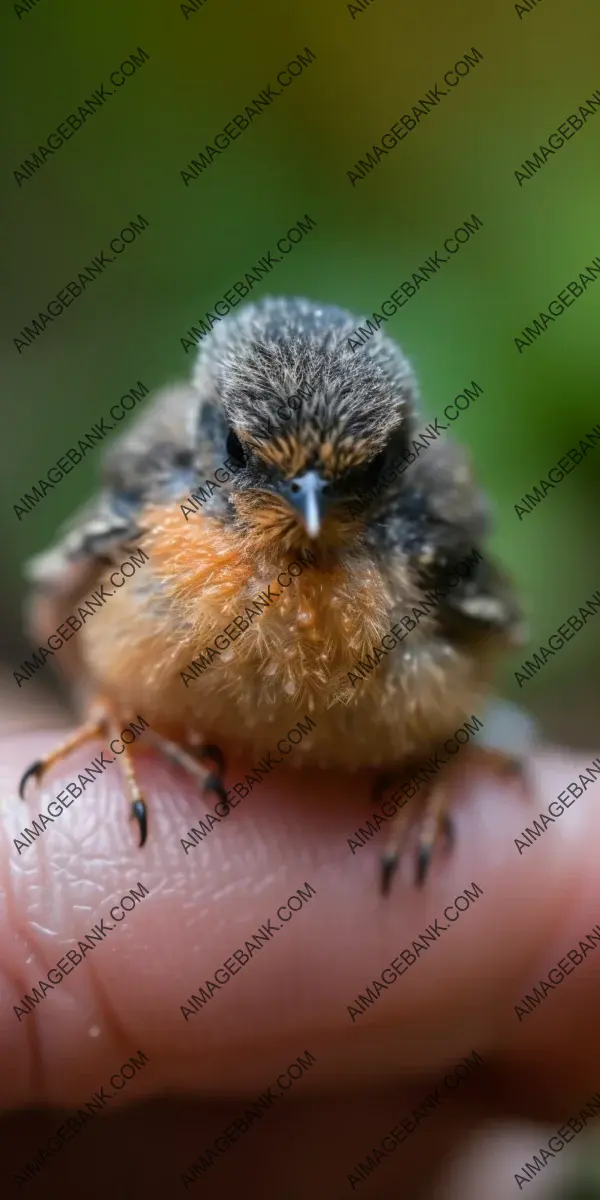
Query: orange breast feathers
pixel 202 574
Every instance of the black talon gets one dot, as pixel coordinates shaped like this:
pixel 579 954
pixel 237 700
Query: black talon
pixel 36 769
pixel 139 813
pixel 216 755
pixel 382 781
pixel 389 862
pixel 214 783
pixel 448 831
pixel 423 861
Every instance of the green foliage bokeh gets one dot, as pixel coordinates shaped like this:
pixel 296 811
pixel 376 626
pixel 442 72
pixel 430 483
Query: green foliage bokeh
pixel 537 67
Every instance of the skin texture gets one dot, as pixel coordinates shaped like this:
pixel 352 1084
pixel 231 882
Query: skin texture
pixel 293 995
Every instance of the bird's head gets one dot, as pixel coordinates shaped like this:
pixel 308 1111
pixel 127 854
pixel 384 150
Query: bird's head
pixel 307 420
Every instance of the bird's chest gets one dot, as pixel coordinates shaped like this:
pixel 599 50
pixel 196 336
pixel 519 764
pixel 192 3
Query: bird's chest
pixel 208 642
pixel 206 624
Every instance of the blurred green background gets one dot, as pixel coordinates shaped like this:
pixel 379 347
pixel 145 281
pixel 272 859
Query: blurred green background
pixel 536 70
pixel 293 160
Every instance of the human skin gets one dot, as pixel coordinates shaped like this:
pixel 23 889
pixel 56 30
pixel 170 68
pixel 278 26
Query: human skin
pixel 293 995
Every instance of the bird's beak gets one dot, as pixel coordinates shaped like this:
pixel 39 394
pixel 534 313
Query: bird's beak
pixel 305 494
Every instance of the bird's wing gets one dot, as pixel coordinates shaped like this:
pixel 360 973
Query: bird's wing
pixel 153 460
pixel 438 503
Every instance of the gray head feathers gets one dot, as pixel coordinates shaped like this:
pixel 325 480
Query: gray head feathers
pixel 255 360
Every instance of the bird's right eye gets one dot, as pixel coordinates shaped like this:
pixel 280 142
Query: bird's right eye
pixel 366 477
pixel 235 450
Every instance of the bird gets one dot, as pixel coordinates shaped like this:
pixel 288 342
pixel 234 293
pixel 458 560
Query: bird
pixel 290 443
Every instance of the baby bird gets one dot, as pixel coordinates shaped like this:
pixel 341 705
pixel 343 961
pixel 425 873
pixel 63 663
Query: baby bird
pixel 290 445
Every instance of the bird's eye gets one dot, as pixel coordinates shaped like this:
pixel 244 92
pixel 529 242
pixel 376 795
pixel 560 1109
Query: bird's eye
pixel 235 450
pixel 373 469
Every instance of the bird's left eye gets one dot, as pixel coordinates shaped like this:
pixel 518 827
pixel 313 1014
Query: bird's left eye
pixel 235 450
